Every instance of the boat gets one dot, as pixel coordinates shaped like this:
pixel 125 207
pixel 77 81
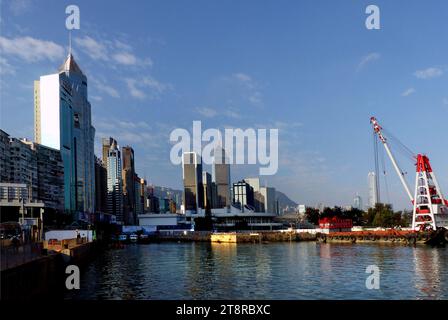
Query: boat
pixel 133 237
pixel 122 237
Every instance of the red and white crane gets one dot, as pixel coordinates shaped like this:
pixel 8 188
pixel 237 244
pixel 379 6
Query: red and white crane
pixel 430 208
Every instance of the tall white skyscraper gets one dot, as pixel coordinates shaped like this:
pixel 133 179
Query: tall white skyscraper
pixel 373 189
pixel 357 202
pixel 115 183
pixel 62 120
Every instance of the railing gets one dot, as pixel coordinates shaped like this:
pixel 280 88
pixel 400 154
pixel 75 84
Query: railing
pixel 13 255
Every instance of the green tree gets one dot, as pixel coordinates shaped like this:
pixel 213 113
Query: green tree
pixel 312 215
pixel 381 216
pixel 355 215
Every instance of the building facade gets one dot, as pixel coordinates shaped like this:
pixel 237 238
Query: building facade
pixel 129 185
pixel 193 195
pixel 63 122
pixel 373 189
pixel 270 199
pixel 115 184
pixel 37 167
pixel 5 153
pixel 209 201
pixel 357 202
pixel 243 195
pixel 100 186
pixel 221 177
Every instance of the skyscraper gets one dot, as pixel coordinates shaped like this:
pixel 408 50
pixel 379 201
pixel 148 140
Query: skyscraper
pixel 208 190
pixel 259 199
pixel 357 202
pixel 221 177
pixel 193 197
pixel 114 183
pixel 100 186
pixel 270 204
pixel 243 195
pixel 5 153
pixel 129 193
pixel 373 189
pixel 107 143
pixel 38 167
pixel 62 115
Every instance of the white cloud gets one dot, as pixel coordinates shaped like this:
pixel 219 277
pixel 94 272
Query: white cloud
pixel 249 86
pixel 407 92
pixel 133 90
pixel 137 87
pixel 207 112
pixel 94 49
pixel 368 59
pixel 125 58
pixel 255 98
pixel 116 51
pixel 5 67
pixel 242 77
pixel 96 98
pixel 428 73
pixel 31 49
pixel 19 7
pixel 103 87
pixel 211 112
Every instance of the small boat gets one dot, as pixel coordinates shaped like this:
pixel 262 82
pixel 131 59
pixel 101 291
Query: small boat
pixel 133 238
pixel 122 237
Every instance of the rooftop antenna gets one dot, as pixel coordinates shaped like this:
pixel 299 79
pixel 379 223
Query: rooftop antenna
pixel 70 42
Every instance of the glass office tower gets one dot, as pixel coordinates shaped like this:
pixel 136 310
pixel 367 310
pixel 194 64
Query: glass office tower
pixel 63 121
pixel 193 187
pixel 221 177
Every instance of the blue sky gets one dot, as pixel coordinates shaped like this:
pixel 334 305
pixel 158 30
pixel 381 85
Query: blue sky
pixel 309 68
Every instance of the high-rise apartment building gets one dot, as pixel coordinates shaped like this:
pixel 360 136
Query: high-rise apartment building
pixel 62 121
pixel 23 166
pixel 37 167
pixel 5 152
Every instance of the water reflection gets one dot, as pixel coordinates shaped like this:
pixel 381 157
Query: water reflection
pixel 427 268
pixel 264 271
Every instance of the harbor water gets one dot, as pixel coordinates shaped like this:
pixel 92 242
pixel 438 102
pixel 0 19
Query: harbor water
pixel 295 270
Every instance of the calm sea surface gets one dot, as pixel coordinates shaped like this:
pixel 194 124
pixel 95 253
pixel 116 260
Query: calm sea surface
pixel 298 270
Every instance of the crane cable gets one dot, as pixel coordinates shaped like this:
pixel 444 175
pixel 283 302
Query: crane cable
pixel 404 150
pixel 383 167
pixel 375 153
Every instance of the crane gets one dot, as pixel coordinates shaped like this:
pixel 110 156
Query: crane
pixel 430 208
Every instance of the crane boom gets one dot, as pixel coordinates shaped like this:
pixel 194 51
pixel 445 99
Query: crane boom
pixel 377 129
pixel 430 208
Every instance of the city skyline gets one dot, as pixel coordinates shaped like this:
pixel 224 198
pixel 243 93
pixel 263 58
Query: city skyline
pixel 138 97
